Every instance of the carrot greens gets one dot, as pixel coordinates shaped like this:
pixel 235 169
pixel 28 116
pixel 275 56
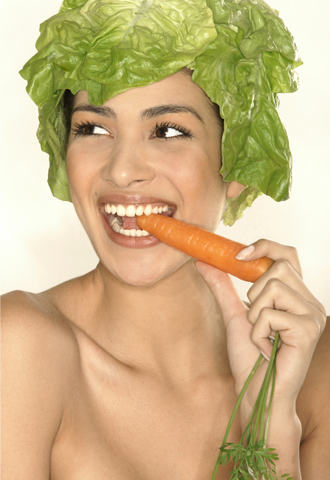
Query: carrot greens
pixel 250 456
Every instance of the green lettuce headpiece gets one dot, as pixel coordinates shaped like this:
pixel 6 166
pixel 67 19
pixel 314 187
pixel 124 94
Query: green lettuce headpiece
pixel 241 54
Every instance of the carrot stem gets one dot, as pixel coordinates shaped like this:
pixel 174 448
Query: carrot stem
pixel 258 424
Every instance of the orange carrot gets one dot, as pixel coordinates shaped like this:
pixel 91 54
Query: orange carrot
pixel 203 245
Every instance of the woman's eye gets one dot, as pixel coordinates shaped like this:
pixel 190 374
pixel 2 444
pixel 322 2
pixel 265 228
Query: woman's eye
pixel 167 132
pixel 89 129
pixel 170 131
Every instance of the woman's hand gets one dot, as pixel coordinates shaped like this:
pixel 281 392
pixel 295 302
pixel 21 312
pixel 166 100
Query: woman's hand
pixel 280 301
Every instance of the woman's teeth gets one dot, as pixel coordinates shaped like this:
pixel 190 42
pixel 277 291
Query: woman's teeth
pixel 118 228
pixel 131 211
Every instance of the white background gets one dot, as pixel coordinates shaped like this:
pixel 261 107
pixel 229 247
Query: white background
pixel 42 242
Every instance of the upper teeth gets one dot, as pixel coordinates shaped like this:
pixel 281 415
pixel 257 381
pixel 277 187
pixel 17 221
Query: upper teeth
pixel 132 210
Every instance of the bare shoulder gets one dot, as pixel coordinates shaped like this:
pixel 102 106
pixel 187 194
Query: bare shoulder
pixel 40 357
pixel 313 401
pixel 317 383
pixel 35 333
pixel 35 319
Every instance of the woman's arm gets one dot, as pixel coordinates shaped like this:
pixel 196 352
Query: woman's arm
pixel 37 363
pixel 313 407
pixel 281 302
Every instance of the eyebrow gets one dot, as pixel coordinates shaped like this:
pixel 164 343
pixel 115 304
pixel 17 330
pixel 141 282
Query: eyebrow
pixel 172 108
pixel 103 111
pixel 151 112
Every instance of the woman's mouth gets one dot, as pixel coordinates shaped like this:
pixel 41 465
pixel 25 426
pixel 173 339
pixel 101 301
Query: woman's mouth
pixel 122 218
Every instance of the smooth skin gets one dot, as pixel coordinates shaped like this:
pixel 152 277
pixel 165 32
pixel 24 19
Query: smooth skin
pixel 131 371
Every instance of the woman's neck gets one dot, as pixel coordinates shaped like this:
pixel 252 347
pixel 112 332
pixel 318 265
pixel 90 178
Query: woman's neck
pixel 172 326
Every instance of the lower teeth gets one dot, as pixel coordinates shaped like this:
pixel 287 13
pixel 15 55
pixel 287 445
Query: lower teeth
pixel 117 227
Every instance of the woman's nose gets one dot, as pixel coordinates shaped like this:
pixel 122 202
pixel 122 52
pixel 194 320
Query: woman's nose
pixel 127 164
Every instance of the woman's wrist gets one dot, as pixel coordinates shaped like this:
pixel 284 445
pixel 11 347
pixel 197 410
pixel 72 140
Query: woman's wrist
pixel 285 437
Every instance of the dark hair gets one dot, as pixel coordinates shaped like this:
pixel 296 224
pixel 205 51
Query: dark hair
pixel 67 111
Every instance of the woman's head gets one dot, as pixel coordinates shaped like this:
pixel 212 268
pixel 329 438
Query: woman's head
pixel 149 147
pixel 107 47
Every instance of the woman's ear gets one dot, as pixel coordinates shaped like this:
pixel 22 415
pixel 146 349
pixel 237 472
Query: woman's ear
pixel 234 189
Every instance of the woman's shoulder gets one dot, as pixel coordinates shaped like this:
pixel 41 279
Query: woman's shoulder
pixel 40 362
pixel 48 310
pixel 24 309
pixel 313 401
pixel 319 371
pixel 30 322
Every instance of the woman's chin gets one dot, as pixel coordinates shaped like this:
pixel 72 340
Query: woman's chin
pixel 142 279
pixel 147 272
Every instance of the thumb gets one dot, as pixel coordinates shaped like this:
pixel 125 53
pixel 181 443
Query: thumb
pixel 242 352
pixel 223 289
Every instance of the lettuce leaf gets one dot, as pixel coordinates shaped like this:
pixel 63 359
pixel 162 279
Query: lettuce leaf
pixel 241 53
pixel 252 59
pixel 107 47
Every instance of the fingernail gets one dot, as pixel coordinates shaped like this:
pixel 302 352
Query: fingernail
pixel 245 253
pixel 265 356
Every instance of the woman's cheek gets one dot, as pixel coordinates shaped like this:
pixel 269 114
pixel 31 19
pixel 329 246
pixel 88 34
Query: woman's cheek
pixel 80 169
pixel 202 188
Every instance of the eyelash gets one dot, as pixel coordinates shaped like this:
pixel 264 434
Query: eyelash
pixel 78 130
pixel 185 132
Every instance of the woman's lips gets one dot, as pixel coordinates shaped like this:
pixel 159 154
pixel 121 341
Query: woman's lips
pixel 120 220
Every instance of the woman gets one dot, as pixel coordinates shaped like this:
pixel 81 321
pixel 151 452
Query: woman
pixel 132 370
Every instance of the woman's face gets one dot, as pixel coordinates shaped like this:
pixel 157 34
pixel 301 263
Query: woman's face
pixel 150 147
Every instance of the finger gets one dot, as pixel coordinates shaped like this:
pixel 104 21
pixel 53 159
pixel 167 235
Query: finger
pixel 282 309
pixel 273 250
pixel 233 310
pixel 277 296
pixel 223 289
pixel 299 332
pixel 234 317
pixel 285 274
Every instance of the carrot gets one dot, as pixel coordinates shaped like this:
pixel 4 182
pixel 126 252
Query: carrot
pixel 213 249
